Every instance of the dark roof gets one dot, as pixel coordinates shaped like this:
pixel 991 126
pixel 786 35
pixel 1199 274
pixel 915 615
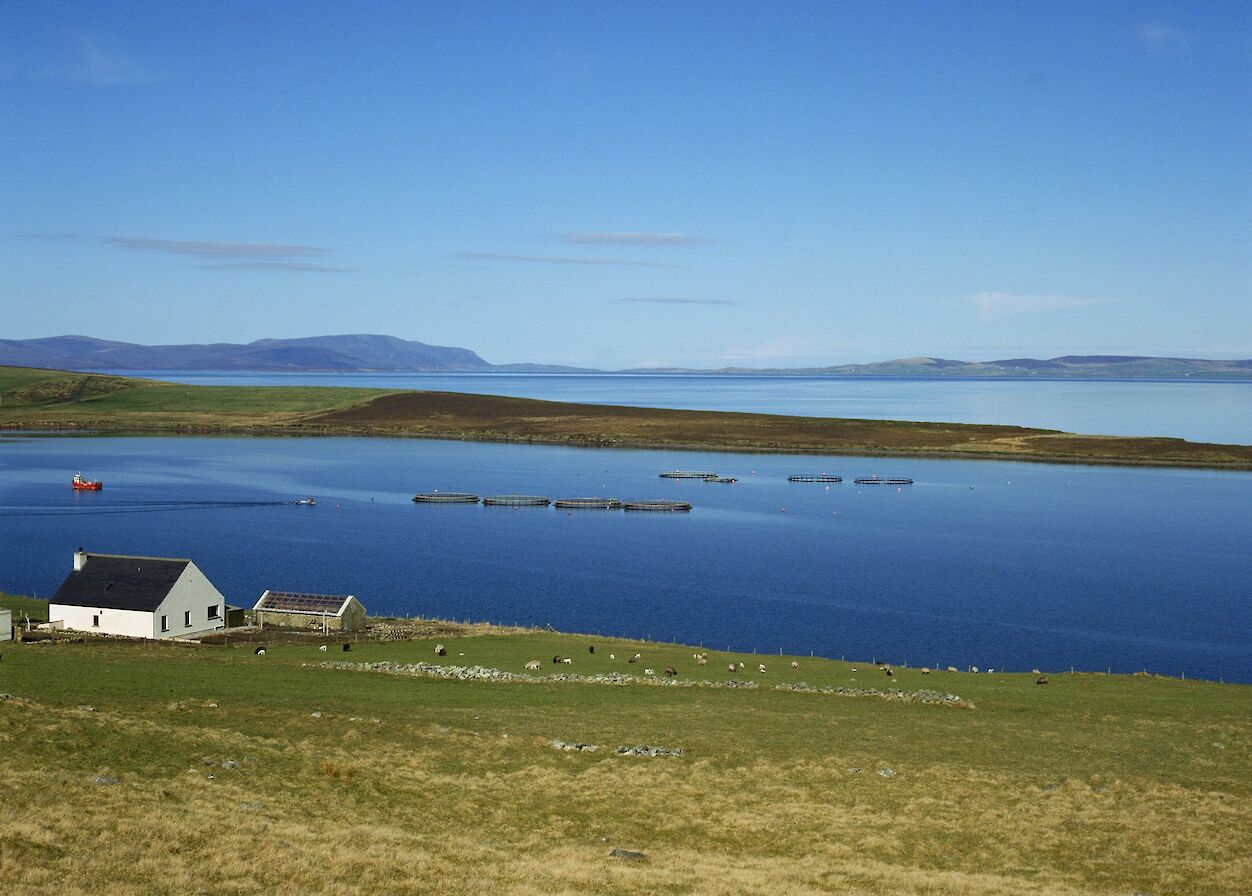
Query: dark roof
pixel 120 583
pixel 294 602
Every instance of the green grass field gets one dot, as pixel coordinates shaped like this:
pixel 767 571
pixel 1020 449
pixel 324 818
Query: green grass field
pixel 60 400
pixel 1087 785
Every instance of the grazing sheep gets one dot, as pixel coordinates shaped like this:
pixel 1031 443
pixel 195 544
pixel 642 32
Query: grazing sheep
pixel 854 668
pixel 1042 679
pixel 566 660
pixel 649 671
pixel 1035 672
pixel 533 665
pixel 953 669
pixel 989 671
pixel 260 651
pixel 890 674
pixel 556 660
pixel 741 666
pixel 591 648
pixel 730 668
pixel 612 656
pixel 671 671
pixel 795 665
pixel 925 670
pixel 702 661
pixel 974 669
pixel 633 659
pixel 346 646
pixel 440 650
pixel 322 648
pixel 761 668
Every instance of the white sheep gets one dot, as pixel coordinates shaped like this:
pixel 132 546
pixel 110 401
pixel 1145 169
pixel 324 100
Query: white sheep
pixel 731 668
pixel 795 665
pixel 761 668
pixel 533 665
pixel 567 660
pixel 612 656
pixel 649 671
pixel 702 661
pixel 440 650
pixel 741 666
pixel 322 648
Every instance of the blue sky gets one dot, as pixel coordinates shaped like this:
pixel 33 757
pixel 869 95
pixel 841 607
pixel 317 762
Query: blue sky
pixel 690 184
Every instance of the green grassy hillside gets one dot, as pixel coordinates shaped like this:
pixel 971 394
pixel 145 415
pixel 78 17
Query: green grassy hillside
pixel 279 774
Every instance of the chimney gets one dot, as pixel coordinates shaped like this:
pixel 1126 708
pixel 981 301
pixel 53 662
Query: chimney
pixel 80 559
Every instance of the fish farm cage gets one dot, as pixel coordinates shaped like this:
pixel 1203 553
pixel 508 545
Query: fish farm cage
pixel 587 503
pixel 516 501
pixel 822 478
pixel 687 474
pixel 662 506
pixel 445 498
pixel 726 479
pixel 874 480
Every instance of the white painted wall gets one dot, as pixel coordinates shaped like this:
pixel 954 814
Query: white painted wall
pixel 193 593
pixel 132 623
pixel 6 625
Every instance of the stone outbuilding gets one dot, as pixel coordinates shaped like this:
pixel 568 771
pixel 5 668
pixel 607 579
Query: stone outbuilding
pixel 325 612
pixel 139 597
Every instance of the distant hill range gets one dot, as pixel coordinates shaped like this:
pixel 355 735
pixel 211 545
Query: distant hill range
pixel 387 354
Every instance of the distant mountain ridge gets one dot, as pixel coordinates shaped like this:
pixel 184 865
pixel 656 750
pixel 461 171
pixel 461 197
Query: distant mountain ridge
pixel 353 353
pixel 364 353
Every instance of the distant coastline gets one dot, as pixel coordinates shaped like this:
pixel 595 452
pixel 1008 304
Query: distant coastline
pixel 38 399
pixel 368 353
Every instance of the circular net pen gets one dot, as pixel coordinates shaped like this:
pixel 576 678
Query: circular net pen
pixel 820 478
pixel 658 506
pixel 588 503
pixel 874 480
pixel 687 474
pixel 726 479
pixel 445 498
pixel 516 501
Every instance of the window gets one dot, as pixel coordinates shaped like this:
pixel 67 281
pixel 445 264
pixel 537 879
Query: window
pixel 213 614
pixel 110 586
pixel 95 621
pixel 187 618
pixel 165 623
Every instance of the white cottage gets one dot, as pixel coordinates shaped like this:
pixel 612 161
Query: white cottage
pixel 141 597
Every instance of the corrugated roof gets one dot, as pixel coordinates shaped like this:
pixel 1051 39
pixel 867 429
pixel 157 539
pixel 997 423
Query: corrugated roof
pixel 297 602
pixel 118 582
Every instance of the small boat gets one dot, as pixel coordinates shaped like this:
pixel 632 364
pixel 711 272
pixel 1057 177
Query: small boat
pixel 86 485
pixel 305 502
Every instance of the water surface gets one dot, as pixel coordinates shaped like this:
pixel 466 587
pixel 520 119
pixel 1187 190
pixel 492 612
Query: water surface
pixel 1001 564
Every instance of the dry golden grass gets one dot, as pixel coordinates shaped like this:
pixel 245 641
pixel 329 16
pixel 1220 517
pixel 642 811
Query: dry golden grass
pixel 381 798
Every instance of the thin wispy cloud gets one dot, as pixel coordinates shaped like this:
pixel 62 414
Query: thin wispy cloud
pixel 213 249
pixel 105 66
pixel 1161 38
pixel 674 300
pixel 273 266
pixel 991 306
pixel 632 238
pixel 566 259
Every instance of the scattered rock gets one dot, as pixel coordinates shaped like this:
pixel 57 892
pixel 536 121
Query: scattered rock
pixel 7 697
pixel 886 773
pixel 316 715
pixel 645 750
pixel 106 781
pixel 854 771
pixel 628 854
pixel 571 748
pixel 85 708
pixel 1042 679
pixel 212 706
pixel 208 760
pixel 1219 745
pixel 229 763
pixel 252 807
pixel 249 760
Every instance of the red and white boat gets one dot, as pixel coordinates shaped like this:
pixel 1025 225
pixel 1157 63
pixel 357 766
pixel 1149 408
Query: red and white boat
pixel 86 485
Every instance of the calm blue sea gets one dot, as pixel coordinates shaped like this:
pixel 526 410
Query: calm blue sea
pixel 1009 565
pixel 1199 410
